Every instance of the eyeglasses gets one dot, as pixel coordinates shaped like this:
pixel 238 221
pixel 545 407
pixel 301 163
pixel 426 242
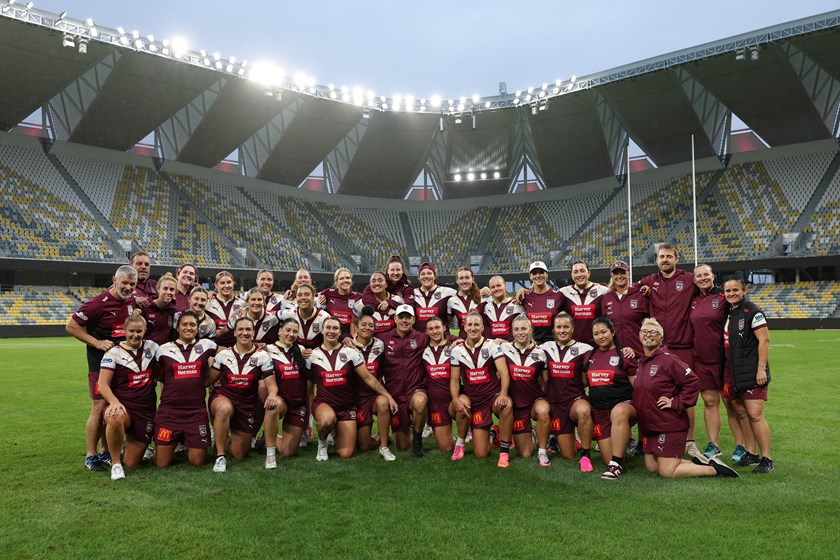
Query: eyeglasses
pixel 649 333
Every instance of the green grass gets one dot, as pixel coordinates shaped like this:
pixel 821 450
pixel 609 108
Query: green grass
pixel 431 508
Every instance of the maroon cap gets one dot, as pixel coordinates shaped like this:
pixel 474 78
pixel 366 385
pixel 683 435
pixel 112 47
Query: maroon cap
pixel 428 265
pixel 620 265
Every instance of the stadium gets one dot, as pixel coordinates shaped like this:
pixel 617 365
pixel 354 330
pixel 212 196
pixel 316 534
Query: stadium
pixel 114 143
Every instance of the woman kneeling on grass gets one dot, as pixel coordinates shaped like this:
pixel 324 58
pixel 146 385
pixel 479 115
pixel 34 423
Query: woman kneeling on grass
pixel 234 400
pixel 664 387
pixel 182 413
pixel 126 381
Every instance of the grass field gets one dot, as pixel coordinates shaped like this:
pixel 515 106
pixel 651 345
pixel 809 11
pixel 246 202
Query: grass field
pixel 428 508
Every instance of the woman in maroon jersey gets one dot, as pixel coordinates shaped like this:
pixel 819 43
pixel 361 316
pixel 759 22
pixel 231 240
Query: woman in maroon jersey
pixel 161 311
pixel 625 305
pixel 468 298
pixel 563 379
pixel 541 302
pixel 198 303
pixel 430 300
pixel 333 368
pixel 293 390
pixel 310 318
pixel 222 307
pixel 187 275
pixel 384 305
pixel 525 362
pixel 126 382
pixel 265 325
pixel 340 299
pixel 610 378
pixel 368 401
pixel 182 414
pixel 499 312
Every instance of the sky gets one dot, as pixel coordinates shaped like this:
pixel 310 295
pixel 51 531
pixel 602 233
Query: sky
pixel 450 49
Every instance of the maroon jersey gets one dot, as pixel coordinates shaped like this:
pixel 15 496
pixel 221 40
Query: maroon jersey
pixel 670 304
pixel 564 369
pixel 525 368
pixel 381 320
pixel 627 313
pixel 184 371
pixel 103 317
pixel 498 318
pixel 708 313
pixel 664 375
pixel 584 306
pixel 541 310
pixel 372 356
pixel 159 322
pixel 333 371
pixel 291 382
pixel 437 361
pixel 311 333
pixel 220 311
pixel 402 366
pixel 147 289
pixel 265 328
pixel 405 294
pixel 608 376
pixel 478 368
pixel 182 301
pixel 459 306
pixel 241 374
pixel 133 381
pixel 341 305
pixel 432 304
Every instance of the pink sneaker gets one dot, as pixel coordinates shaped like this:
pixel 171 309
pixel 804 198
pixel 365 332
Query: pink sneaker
pixel 585 464
pixel 544 460
pixel 504 460
pixel 458 454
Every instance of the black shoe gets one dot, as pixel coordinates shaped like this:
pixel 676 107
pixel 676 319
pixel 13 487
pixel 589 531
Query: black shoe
pixel 105 458
pixel 722 469
pixel 417 451
pixel 764 466
pixel 748 459
pixel 93 463
pixel 553 447
pixel 701 460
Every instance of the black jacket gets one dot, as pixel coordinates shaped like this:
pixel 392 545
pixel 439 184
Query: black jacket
pixel 743 346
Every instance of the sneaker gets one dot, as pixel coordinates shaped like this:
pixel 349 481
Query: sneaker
pixel 117 472
pixel 322 454
pixel 613 471
pixel 180 450
pixel 417 451
pixel 586 464
pixel 331 439
pixel 258 443
pixel 691 449
pixel 427 431
pixel 504 460
pixel 105 458
pixel 305 438
pixel 544 460
pixel 764 466
pixel 700 460
pixel 748 459
pixel 631 446
pixel 722 469
pixel 552 445
pixel 458 454
pixel 494 433
pixel 640 449
pixel 271 461
pixel 386 454
pixel 711 450
pixel 149 454
pixel 220 465
pixel 739 453
pixel 93 463
pixel 578 445
pixel 469 436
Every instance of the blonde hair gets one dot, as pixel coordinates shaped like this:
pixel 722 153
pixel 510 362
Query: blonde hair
pixel 651 322
pixel 167 277
pixel 338 273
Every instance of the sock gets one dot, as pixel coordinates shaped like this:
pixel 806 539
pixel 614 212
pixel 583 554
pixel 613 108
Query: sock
pixel 619 460
pixel 418 438
pixel 270 451
pixel 584 453
pixel 504 447
pixel 542 451
pixel 459 441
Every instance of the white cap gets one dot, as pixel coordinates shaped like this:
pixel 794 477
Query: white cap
pixel 404 308
pixel 537 265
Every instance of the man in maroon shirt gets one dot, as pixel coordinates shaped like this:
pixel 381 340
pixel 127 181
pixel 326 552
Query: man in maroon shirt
pixel 402 368
pixel 99 323
pixel 146 289
pixel 671 292
pixel 663 390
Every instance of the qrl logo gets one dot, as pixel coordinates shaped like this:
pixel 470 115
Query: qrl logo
pixel 164 434
pixel 436 419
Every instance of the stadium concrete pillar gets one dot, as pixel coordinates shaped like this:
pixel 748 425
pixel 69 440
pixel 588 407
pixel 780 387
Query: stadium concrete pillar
pixel 176 131
pixel 714 116
pixel 339 159
pixel 615 136
pixel 822 87
pixel 70 105
pixel 257 149
pixel 524 160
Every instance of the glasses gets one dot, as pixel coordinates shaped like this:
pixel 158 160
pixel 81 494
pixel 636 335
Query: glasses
pixel 649 333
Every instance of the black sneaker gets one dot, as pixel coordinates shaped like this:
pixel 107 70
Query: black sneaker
pixel 764 466
pixel 722 469
pixel 105 458
pixel 93 463
pixel 748 459
pixel 553 447
pixel 417 451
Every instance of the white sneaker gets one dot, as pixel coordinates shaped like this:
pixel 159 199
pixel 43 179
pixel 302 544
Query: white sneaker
pixel 271 461
pixel 427 431
pixel 692 451
pixel 386 454
pixel 117 472
pixel 322 453
pixel 149 454
pixel 331 439
pixel 304 439
pixel 221 464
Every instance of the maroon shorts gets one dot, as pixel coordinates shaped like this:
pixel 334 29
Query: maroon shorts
pixel 601 423
pixel 439 415
pixel 174 426
pixel 401 420
pixel 665 444
pixel 341 414
pixel 482 413
pixel 561 421
pixel 244 418
pixel 142 424
pixel 365 411
pixel 297 414
pixel 522 420
pixel 684 354
pixel 729 393
pixel 708 375
pixel 93 386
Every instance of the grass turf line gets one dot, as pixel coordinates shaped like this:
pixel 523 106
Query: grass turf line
pixel 365 508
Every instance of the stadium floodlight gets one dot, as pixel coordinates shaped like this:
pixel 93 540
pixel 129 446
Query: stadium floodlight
pixel 29 5
pixel 409 103
pixel 457 177
pixel 475 99
pixel 544 87
pixel 397 101
pixel 461 106
pixel 62 15
pixel 436 101
pixel 331 87
pixel 83 43
pixel 557 82
pixel 333 94
pixel 300 80
pixel 366 113
pixel 89 22
pixel 470 176
pixel 496 175
pixel 462 100
pixel 138 43
pixel 530 90
pixel 483 176
pixel 556 90
pixel 533 109
pixel 516 100
pixel 487 104
pixel 754 53
pixel 458 119
pixel 573 78
pixel 528 98
pixel 518 93
pixel 67 40
pixel 179 46
pixel 740 55
pixel 94 32
pixel 135 34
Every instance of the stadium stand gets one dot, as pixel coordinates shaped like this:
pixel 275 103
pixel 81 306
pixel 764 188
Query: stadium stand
pixel 825 222
pixel 446 236
pixel 28 305
pixel 799 300
pixel 141 212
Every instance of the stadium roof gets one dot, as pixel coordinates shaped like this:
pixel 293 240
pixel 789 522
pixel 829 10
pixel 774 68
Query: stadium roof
pixel 107 89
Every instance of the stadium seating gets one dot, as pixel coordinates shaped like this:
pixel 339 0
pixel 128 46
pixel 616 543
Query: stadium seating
pixel 800 300
pixel 825 223
pixel 27 305
pixel 446 236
